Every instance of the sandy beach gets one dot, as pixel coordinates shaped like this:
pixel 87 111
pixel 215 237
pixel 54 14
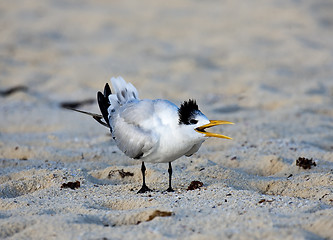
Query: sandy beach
pixel 265 65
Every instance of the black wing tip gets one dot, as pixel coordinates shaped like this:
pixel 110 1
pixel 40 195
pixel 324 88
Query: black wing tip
pixel 103 104
pixel 187 110
pixel 107 90
pixel 100 97
pixel 140 155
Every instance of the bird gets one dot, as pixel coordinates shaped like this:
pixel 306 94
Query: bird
pixel 154 131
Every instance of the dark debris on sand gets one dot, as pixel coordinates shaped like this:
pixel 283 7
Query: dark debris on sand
pixel 71 185
pixel 76 104
pixel 305 163
pixel 121 172
pixel 195 185
pixel 12 90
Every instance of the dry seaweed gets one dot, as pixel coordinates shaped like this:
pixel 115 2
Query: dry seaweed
pixel 71 185
pixel 9 91
pixel 158 213
pixel 305 163
pixel 195 185
pixel 264 200
pixel 121 172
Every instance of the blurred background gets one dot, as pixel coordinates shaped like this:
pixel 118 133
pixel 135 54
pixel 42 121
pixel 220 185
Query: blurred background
pixel 265 65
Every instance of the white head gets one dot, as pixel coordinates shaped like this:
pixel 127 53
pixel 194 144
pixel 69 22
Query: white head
pixel 195 122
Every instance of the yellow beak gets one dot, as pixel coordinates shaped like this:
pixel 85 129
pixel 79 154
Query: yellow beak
pixel 213 123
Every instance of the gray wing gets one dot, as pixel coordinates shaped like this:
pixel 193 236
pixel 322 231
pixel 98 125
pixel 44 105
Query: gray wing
pixel 131 129
pixel 193 150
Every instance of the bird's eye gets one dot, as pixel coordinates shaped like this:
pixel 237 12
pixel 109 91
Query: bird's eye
pixel 193 121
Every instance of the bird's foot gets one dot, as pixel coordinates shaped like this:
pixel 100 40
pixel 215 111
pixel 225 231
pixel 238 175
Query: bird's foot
pixel 170 189
pixel 144 189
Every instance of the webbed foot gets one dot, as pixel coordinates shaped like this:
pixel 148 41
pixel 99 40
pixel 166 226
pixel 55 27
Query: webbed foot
pixel 170 190
pixel 144 189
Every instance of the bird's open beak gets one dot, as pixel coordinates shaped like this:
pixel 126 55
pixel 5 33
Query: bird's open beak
pixel 213 123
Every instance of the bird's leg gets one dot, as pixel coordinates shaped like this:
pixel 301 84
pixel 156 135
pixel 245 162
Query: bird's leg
pixel 170 174
pixel 144 187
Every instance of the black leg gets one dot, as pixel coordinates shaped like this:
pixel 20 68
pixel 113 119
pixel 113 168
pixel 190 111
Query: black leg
pixel 144 187
pixel 170 175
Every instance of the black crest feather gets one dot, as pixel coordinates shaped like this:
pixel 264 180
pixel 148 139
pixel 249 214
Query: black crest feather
pixel 187 110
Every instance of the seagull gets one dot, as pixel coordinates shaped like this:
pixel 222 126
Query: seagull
pixel 155 131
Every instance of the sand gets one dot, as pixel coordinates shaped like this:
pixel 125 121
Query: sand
pixel 265 65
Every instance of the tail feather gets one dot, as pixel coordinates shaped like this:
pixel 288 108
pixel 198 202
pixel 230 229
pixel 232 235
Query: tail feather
pixel 108 102
pixel 113 99
pixel 123 92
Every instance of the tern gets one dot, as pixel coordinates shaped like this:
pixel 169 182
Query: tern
pixel 155 131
